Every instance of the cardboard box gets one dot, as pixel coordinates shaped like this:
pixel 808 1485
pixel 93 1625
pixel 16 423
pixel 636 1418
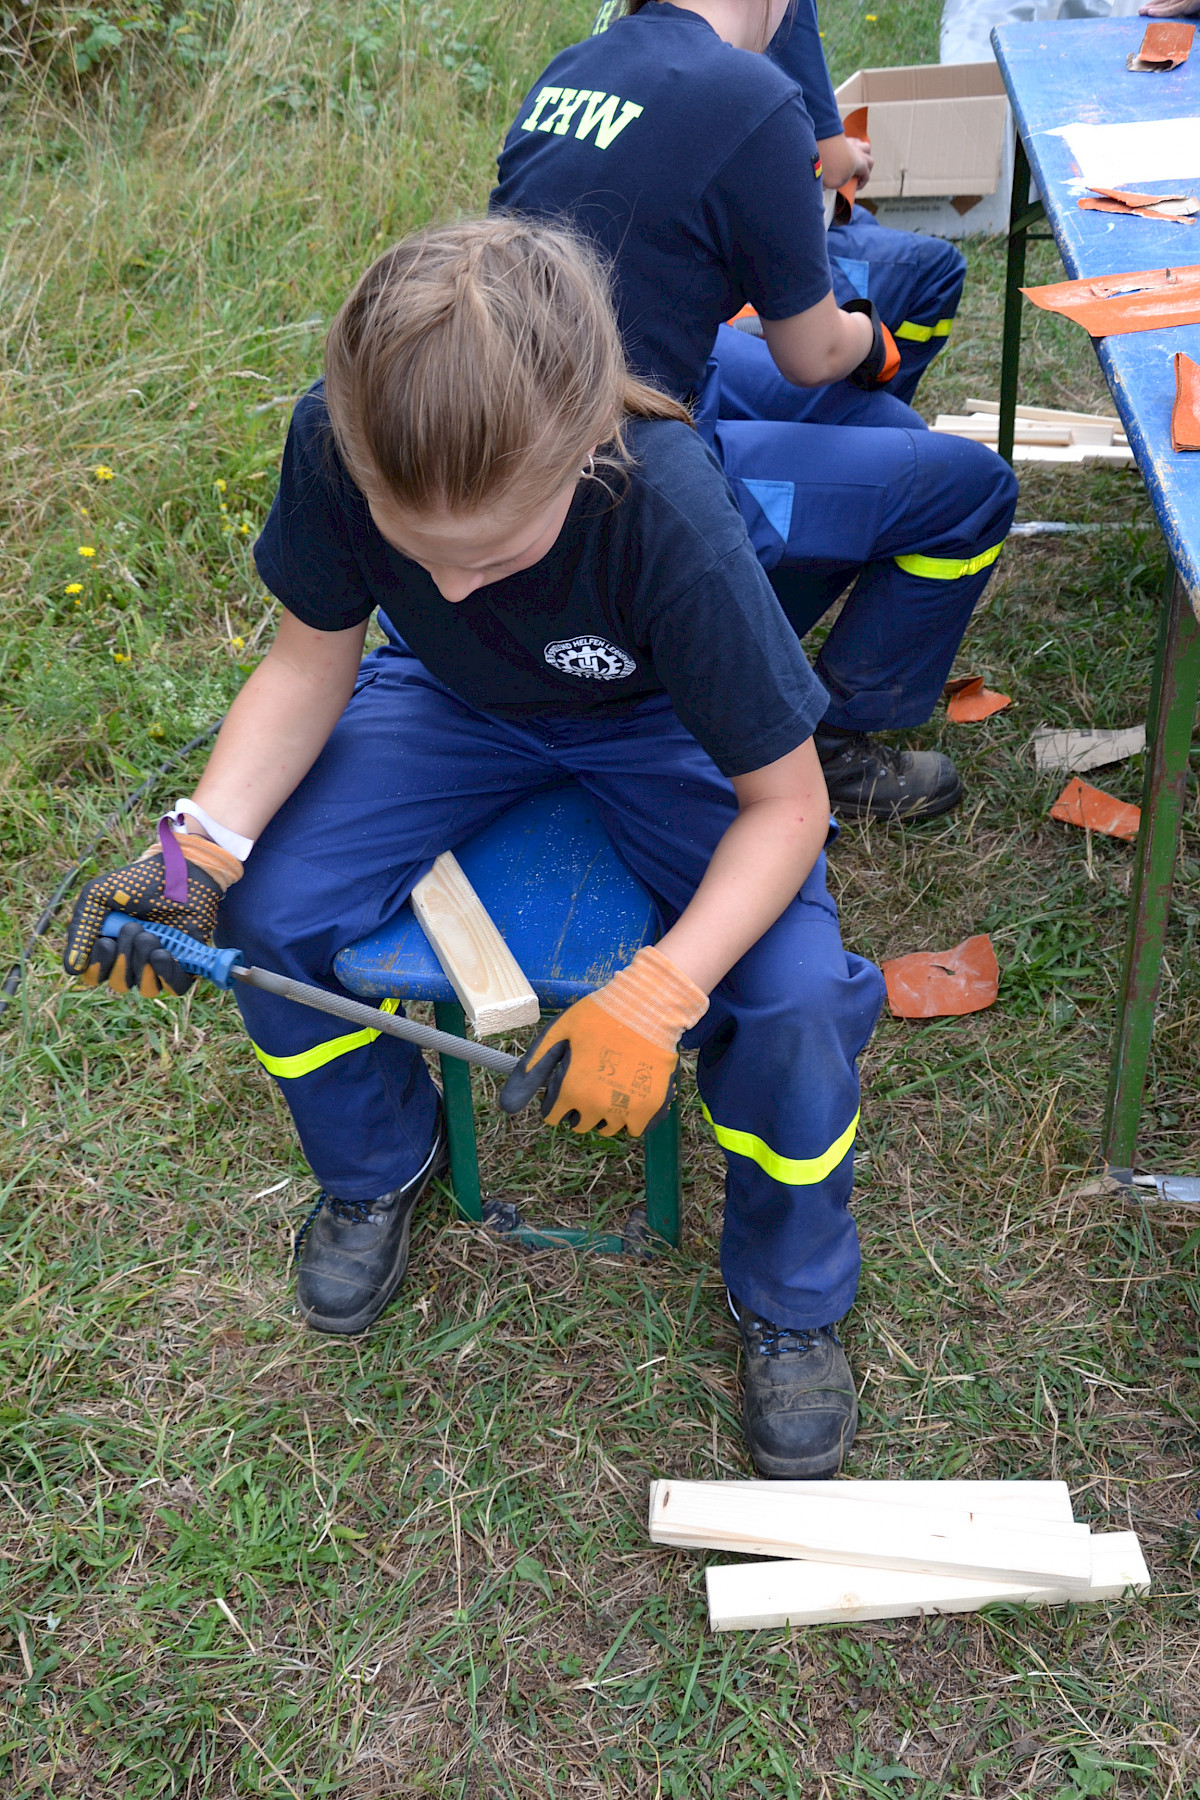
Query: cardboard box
pixel 942 141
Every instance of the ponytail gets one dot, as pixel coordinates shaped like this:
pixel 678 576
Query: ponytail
pixel 480 362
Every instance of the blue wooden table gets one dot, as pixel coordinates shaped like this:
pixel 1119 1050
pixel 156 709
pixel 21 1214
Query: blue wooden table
pixel 1064 73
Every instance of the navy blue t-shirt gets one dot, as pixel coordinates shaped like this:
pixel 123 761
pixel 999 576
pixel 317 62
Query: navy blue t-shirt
pixel 797 48
pixel 651 587
pixel 692 164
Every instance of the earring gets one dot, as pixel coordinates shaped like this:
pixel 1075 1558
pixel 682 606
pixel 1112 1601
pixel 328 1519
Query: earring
pixel 589 473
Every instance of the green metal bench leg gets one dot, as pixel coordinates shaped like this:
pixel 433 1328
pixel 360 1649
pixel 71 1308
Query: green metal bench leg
pixel 1021 217
pixel 663 1178
pixel 1174 687
pixel 662 1159
pixel 460 1115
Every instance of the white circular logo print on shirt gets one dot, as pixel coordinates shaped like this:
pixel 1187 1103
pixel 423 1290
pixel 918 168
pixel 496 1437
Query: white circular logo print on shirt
pixel 592 657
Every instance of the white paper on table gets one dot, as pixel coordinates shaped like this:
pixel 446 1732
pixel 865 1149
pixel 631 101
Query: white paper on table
pixel 1150 150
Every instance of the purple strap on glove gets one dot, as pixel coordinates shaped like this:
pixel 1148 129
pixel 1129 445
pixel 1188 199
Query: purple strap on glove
pixel 175 869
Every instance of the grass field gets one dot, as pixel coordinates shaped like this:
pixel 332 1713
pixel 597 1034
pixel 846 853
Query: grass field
pixel 236 1559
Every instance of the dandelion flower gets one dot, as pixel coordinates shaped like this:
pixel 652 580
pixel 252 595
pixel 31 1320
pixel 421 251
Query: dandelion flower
pixel 73 587
pixel 120 657
pixel 102 472
pixel 87 550
pixel 245 530
pixel 219 485
pixel 156 731
pixel 238 643
pixel 83 512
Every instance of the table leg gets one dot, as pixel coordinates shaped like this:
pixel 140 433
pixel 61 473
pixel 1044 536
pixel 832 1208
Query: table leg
pixel 1174 686
pixel 1020 217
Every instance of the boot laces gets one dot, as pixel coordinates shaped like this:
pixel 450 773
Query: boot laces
pixel 346 1212
pixel 870 750
pixel 783 1340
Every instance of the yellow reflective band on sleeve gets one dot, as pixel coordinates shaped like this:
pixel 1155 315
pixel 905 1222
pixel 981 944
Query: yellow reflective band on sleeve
pixel 288 1068
pixel 921 334
pixel 793 1171
pixel 948 568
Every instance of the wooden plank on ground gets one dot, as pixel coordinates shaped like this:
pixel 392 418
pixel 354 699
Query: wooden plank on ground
pixel 953 1514
pixel 1049 1500
pixel 750 1596
pixel 756 1522
pixel 985 430
pixel 477 962
pixel 1119 455
pixel 1048 413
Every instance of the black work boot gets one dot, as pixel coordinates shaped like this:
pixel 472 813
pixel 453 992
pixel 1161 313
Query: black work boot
pixel 356 1251
pixel 870 780
pixel 799 1407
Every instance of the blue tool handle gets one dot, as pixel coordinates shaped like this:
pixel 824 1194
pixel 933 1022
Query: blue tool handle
pixel 189 953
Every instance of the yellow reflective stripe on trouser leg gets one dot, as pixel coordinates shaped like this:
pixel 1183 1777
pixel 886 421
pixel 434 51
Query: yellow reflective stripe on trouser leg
pixel 921 334
pixel 305 1061
pixel 793 1171
pixel 947 568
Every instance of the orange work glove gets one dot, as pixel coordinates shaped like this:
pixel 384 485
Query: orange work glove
pixel 185 895
pixel 610 1059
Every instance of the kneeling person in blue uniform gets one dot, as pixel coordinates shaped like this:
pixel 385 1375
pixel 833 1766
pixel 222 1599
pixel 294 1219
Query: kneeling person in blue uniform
pixel 914 280
pixel 479 466
pixel 688 156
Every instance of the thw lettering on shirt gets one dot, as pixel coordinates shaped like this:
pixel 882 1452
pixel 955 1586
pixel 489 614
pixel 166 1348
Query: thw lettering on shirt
pixel 597 112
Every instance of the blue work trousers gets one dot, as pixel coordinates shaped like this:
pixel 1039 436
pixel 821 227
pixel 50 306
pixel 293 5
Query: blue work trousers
pixel 913 519
pixel 410 771
pixel 915 281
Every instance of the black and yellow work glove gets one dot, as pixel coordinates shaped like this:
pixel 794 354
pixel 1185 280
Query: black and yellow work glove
pixel 609 1061
pixel 179 881
pixel 882 360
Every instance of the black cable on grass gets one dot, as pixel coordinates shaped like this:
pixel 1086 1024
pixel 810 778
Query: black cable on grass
pixel 12 981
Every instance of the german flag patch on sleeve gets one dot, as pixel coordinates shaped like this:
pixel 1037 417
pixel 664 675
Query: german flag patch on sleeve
pixel 816 163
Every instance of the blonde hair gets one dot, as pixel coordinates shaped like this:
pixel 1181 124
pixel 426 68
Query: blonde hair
pixel 478 361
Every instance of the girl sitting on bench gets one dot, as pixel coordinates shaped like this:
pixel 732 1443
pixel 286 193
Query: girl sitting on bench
pixel 567 589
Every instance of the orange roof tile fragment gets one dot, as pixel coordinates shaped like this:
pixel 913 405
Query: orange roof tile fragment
pixel 968 701
pixel 1125 203
pixel 1143 300
pixel 936 984
pixel 1094 810
pixel 1185 413
pixel 1165 46
pixel 1130 197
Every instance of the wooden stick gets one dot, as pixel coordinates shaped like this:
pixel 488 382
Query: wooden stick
pixel 1050 1500
pixel 747 1596
pixel 478 964
pixel 1040 444
pixel 1051 414
pixel 1120 455
pixel 705 1516
pixel 954 1513
pixel 985 428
